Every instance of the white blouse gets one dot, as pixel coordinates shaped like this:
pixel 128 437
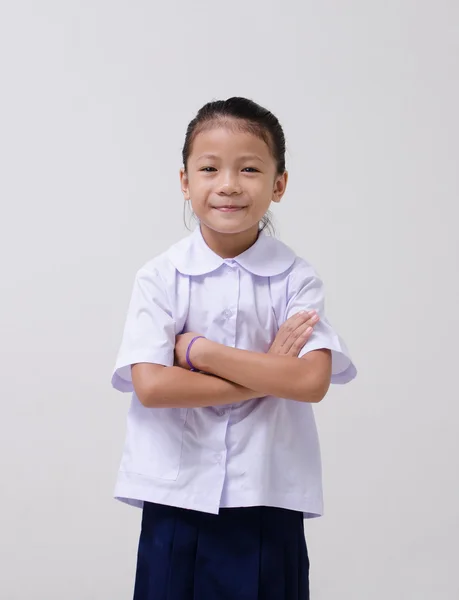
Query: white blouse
pixel 263 451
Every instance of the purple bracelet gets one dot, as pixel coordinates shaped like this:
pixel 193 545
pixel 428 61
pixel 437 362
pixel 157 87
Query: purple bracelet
pixel 190 364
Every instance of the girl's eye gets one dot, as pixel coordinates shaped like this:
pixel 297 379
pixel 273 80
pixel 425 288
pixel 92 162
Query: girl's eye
pixel 250 170
pixel 208 169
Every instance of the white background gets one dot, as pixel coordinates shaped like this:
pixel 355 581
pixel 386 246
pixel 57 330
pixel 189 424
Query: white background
pixel 95 99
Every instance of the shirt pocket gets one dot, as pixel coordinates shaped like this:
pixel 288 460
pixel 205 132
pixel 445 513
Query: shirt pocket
pixel 154 441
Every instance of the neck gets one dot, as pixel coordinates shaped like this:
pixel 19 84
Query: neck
pixel 229 245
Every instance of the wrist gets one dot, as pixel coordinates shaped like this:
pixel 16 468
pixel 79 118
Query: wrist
pixel 200 351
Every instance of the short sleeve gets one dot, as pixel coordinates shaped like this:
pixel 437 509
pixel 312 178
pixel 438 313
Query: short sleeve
pixel 306 292
pixel 149 331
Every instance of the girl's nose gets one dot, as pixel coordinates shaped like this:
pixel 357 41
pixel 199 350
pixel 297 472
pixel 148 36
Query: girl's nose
pixel 229 184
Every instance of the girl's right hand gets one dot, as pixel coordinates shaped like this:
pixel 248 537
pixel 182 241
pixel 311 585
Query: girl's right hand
pixel 294 333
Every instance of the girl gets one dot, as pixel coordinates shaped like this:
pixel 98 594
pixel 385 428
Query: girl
pixel 225 349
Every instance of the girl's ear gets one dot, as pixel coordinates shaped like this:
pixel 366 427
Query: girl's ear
pixel 184 184
pixel 280 186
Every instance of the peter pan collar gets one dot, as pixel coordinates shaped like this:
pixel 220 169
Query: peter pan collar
pixel 267 257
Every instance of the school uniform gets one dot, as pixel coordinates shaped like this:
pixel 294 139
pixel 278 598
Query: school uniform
pixel 223 489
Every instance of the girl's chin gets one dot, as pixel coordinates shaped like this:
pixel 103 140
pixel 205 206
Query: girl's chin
pixel 229 226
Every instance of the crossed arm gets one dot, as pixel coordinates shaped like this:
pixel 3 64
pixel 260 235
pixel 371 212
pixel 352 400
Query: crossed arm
pixel 234 375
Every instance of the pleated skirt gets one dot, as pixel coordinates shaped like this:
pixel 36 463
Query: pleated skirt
pixel 254 553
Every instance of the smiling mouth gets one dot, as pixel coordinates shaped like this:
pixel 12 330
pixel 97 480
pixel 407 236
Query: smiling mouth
pixel 229 208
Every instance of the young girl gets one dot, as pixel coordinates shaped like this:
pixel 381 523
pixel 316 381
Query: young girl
pixel 225 349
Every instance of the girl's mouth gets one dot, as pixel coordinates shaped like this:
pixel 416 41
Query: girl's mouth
pixel 229 208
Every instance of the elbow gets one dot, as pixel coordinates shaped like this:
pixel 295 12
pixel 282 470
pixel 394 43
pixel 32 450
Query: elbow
pixel 145 398
pixel 148 385
pixel 316 379
pixel 313 392
pixel 319 393
pixel 321 389
pixel 151 395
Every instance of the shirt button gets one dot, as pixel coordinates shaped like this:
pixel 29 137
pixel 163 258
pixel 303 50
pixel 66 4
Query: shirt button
pixel 221 412
pixel 218 457
pixel 227 313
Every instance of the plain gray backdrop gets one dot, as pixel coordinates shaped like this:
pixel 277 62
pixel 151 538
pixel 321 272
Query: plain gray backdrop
pixel 95 99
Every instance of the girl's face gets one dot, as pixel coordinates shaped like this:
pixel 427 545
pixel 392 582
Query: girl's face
pixel 231 180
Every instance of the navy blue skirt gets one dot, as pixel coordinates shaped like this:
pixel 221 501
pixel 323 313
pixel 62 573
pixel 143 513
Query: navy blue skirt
pixel 254 553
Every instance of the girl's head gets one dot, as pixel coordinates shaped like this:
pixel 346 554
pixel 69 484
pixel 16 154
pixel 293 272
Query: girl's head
pixel 233 165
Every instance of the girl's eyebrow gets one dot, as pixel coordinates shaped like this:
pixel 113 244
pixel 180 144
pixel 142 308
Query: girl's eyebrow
pixel 208 156
pixel 241 158
pixel 251 157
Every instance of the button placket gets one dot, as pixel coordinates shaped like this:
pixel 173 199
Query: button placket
pixel 236 301
pixel 222 412
pixel 229 312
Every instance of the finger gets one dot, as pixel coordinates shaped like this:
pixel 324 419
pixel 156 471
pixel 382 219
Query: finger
pixel 308 316
pixel 300 342
pixel 286 329
pixel 298 332
pixel 313 319
pixel 296 338
pixel 291 325
pixel 286 333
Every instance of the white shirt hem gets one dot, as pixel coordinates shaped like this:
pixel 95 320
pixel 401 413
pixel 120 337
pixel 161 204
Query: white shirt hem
pixel 135 489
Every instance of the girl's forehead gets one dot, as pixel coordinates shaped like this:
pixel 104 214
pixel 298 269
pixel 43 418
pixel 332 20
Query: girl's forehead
pixel 223 139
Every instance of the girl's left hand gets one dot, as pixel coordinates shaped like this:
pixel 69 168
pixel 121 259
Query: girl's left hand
pixel 181 346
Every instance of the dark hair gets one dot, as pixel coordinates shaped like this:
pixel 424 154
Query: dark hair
pixel 247 116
